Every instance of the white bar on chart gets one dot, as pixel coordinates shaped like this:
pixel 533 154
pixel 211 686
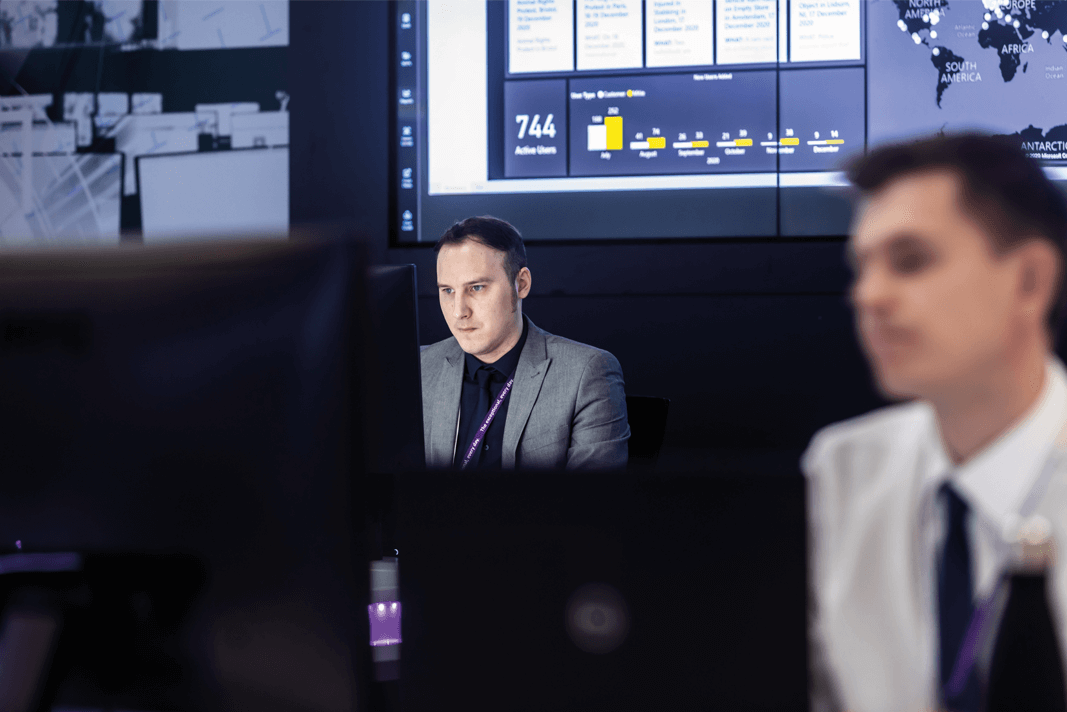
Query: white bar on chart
pixel 746 31
pixel 609 34
pixel 678 33
pixel 725 144
pixel 824 30
pixel 634 145
pixel 683 144
pixel 768 143
pixel 540 36
pixel 598 137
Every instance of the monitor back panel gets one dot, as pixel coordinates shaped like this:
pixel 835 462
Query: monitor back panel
pixel 709 573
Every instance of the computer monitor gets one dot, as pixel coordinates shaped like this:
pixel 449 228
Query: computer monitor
pixel 393 299
pixel 195 411
pixel 565 591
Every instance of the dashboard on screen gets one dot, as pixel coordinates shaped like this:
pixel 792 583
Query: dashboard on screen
pixel 593 119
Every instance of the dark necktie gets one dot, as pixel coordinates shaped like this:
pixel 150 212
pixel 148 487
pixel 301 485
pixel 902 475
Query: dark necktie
pixel 955 603
pixel 483 375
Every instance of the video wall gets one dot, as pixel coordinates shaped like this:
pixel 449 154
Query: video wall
pixel 142 119
pixel 581 119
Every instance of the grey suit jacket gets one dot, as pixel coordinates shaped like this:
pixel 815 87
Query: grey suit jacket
pixel 567 408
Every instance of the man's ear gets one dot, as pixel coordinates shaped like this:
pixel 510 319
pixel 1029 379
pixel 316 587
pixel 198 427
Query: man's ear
pixel 523 282
pixel 1039 277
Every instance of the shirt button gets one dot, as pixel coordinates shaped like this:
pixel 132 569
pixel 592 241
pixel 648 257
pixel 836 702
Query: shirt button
pixel 486 447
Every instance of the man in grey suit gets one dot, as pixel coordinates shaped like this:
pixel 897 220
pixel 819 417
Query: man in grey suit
pixel 502 393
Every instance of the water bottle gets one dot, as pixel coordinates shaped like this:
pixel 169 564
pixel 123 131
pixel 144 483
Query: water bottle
pixel 1026 668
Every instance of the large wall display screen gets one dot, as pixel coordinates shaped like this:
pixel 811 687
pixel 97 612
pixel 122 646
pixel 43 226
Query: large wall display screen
pixel 586 119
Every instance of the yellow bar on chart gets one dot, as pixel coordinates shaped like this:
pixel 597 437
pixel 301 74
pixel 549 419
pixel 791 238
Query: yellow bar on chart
pixel 655 141
pixel 742 142
pixel 614 127
pixel 836 141
pixel 789 141
pixel 700 144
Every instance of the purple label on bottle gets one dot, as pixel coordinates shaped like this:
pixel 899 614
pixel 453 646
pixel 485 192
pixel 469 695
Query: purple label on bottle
pixel 384 623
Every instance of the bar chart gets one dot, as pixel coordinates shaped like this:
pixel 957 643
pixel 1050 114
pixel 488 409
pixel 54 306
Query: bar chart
pixel 606 135
pixel 674 124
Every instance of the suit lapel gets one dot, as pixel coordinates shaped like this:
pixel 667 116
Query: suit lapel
pixel 529 375
pixel 446 410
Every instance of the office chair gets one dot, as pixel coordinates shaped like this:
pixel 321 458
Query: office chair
pixel 648 424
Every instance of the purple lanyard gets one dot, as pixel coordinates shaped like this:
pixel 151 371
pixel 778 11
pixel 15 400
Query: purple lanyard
pixel 978 633
pixel 480 435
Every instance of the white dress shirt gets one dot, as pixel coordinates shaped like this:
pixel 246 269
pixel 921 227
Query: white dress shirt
pixel 876 525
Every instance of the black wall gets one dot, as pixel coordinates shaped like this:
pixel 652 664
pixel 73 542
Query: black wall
pixel 751 340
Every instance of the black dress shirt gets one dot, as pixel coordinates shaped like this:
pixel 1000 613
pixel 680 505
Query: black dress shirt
pixel 491 454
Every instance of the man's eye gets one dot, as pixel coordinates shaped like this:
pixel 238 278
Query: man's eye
pixel 478 287
pixel 446 290
pixel 910 262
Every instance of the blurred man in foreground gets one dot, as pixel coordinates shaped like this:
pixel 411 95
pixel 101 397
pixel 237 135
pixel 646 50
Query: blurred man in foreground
pixel 502 393
pixel 958 253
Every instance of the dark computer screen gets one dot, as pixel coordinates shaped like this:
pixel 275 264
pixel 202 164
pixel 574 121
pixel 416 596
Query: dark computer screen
pixel 393 301
pixel 201 402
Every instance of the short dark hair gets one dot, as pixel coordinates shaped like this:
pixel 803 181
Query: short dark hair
pixel 492 232
pixel 1005 190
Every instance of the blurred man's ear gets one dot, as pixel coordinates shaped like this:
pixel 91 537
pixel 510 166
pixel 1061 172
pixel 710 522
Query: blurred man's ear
pixel 1039 277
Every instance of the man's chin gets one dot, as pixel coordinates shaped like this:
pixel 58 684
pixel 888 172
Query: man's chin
pixel 466 342
pixel 895 385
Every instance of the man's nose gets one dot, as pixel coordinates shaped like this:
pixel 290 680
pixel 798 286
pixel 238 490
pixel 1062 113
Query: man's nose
pixel 871 290
pixel 460 307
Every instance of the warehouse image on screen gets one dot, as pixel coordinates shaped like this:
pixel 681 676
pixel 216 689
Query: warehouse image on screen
pixel 94 86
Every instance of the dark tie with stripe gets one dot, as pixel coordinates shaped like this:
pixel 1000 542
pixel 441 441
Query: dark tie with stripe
pixel 955 605
pixel 483 375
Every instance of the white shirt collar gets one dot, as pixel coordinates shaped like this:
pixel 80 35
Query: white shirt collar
pixel 997 480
